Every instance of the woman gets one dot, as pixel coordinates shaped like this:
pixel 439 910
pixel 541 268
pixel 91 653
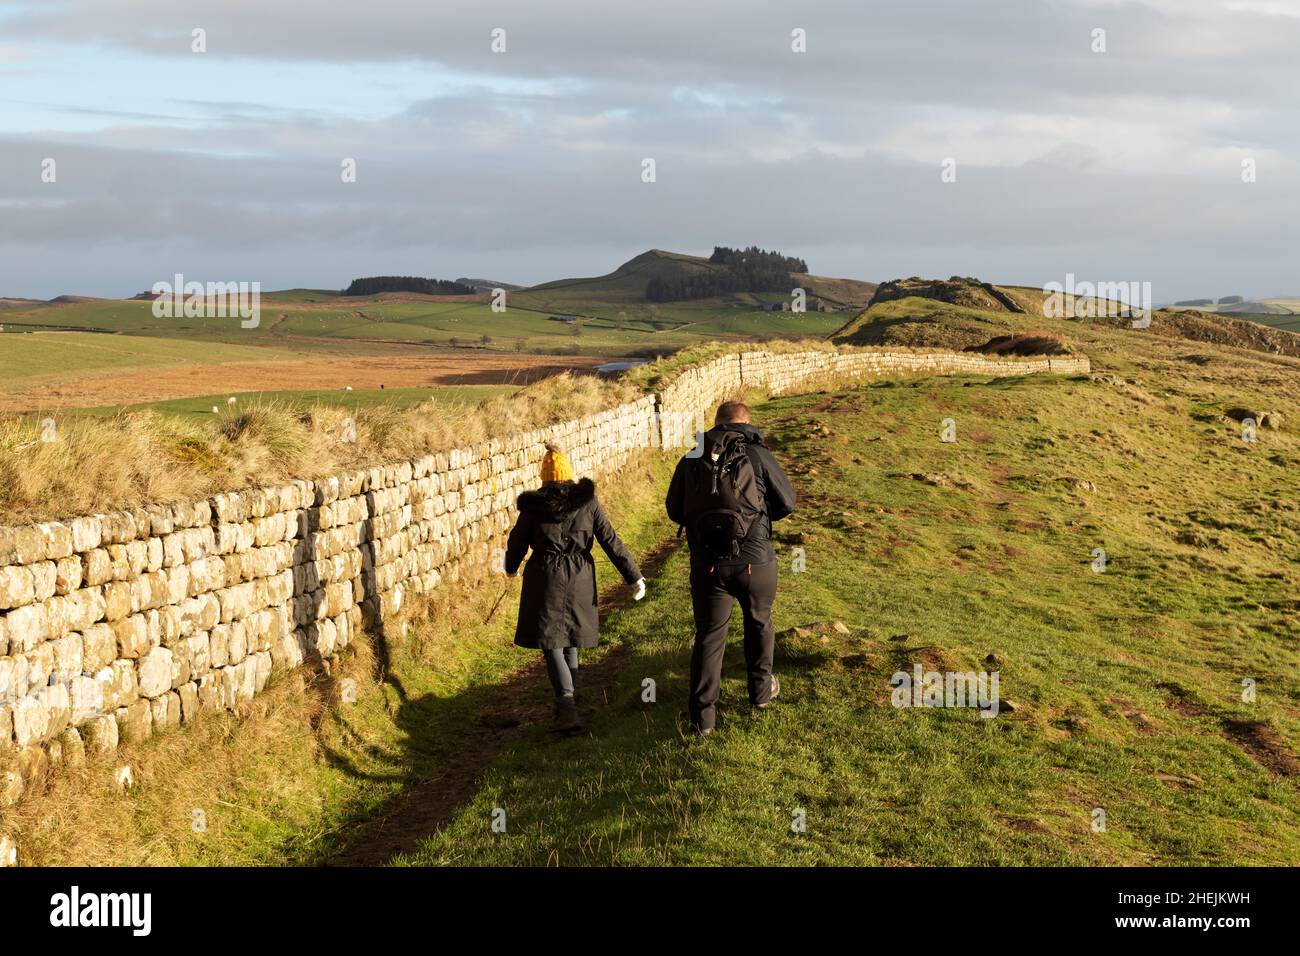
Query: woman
pixel 557 609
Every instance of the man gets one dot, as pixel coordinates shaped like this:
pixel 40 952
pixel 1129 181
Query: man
pixel 726 495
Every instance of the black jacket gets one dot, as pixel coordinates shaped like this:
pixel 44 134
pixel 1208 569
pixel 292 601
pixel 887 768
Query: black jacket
pixel 559 522
pixel 776 491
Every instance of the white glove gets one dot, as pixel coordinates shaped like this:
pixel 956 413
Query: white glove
pixel 639 593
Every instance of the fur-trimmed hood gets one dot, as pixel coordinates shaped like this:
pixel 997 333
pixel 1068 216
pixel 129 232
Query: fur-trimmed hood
pixel 554 501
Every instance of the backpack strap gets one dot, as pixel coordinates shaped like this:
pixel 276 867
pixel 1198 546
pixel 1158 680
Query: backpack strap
pixel 759 471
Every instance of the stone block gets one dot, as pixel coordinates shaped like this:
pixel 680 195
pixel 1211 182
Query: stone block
pixel 31 716
pixel 68 574
pixel 154 672
pixel 100 734
pixel 132 635
pixel 188 694
pixel 135 721
pixel 17 586
pixel 86 533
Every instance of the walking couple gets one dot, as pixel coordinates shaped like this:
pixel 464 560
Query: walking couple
pixel 726 493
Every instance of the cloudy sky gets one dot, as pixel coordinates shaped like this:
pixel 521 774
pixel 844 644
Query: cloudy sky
pixel 526 165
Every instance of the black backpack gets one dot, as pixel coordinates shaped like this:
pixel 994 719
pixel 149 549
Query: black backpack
pixel 722 497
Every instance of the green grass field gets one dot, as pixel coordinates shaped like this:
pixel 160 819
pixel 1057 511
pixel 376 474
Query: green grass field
pixel 608 328
pixel 57 355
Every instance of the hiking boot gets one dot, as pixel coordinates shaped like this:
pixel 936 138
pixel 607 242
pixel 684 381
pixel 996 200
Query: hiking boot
pixel 566 715
pixel 776 692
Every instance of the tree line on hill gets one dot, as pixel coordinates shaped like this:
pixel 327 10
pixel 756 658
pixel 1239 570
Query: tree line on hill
pixel 726 256
pixel 1226 300
pixel 373 285
pixel 744 270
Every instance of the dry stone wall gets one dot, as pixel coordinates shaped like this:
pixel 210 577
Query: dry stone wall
pixel 120 625
pixel 781 372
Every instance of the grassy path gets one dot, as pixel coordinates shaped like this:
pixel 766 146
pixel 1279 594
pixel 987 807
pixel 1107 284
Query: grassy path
pixel 513 711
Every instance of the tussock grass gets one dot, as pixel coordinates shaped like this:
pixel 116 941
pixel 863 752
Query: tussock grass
pixel 143 456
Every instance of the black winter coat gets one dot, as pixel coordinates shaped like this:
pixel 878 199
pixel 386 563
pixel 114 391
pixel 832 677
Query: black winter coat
pixel 773 485
pixel 559 522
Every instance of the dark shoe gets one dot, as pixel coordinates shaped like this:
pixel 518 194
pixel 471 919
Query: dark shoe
pixel 776 692
pixel 566 715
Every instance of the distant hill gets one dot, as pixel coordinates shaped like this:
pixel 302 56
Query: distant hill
pixel 627 284
pixel 749 270
pixel 1280 305
pixel 963 312
pixel 845 293
pixel 624 288
pixel 487 285
pixel 12 303
pixel 9 303
pixel 1277 312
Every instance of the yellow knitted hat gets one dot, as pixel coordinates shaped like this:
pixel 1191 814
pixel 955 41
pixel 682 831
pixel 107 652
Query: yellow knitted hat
pixel 556 465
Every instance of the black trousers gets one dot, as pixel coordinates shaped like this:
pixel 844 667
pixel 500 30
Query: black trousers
pixel 712 593
pixel 562 669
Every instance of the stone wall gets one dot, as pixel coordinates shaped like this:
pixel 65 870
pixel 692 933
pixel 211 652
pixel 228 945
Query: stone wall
pixel 780 372
pixel 120 625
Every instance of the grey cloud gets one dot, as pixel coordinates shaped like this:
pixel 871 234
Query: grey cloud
pixel 1039 220
pixel 804 154
pixel 992 53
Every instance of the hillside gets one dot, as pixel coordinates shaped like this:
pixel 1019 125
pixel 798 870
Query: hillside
pixel 1282 312
pixel 963 312
pixel 626 285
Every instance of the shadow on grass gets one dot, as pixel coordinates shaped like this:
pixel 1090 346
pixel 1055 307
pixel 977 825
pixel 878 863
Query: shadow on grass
pixel 448 743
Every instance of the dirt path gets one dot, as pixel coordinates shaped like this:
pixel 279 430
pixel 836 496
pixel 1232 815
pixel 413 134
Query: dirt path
pixel 425 806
